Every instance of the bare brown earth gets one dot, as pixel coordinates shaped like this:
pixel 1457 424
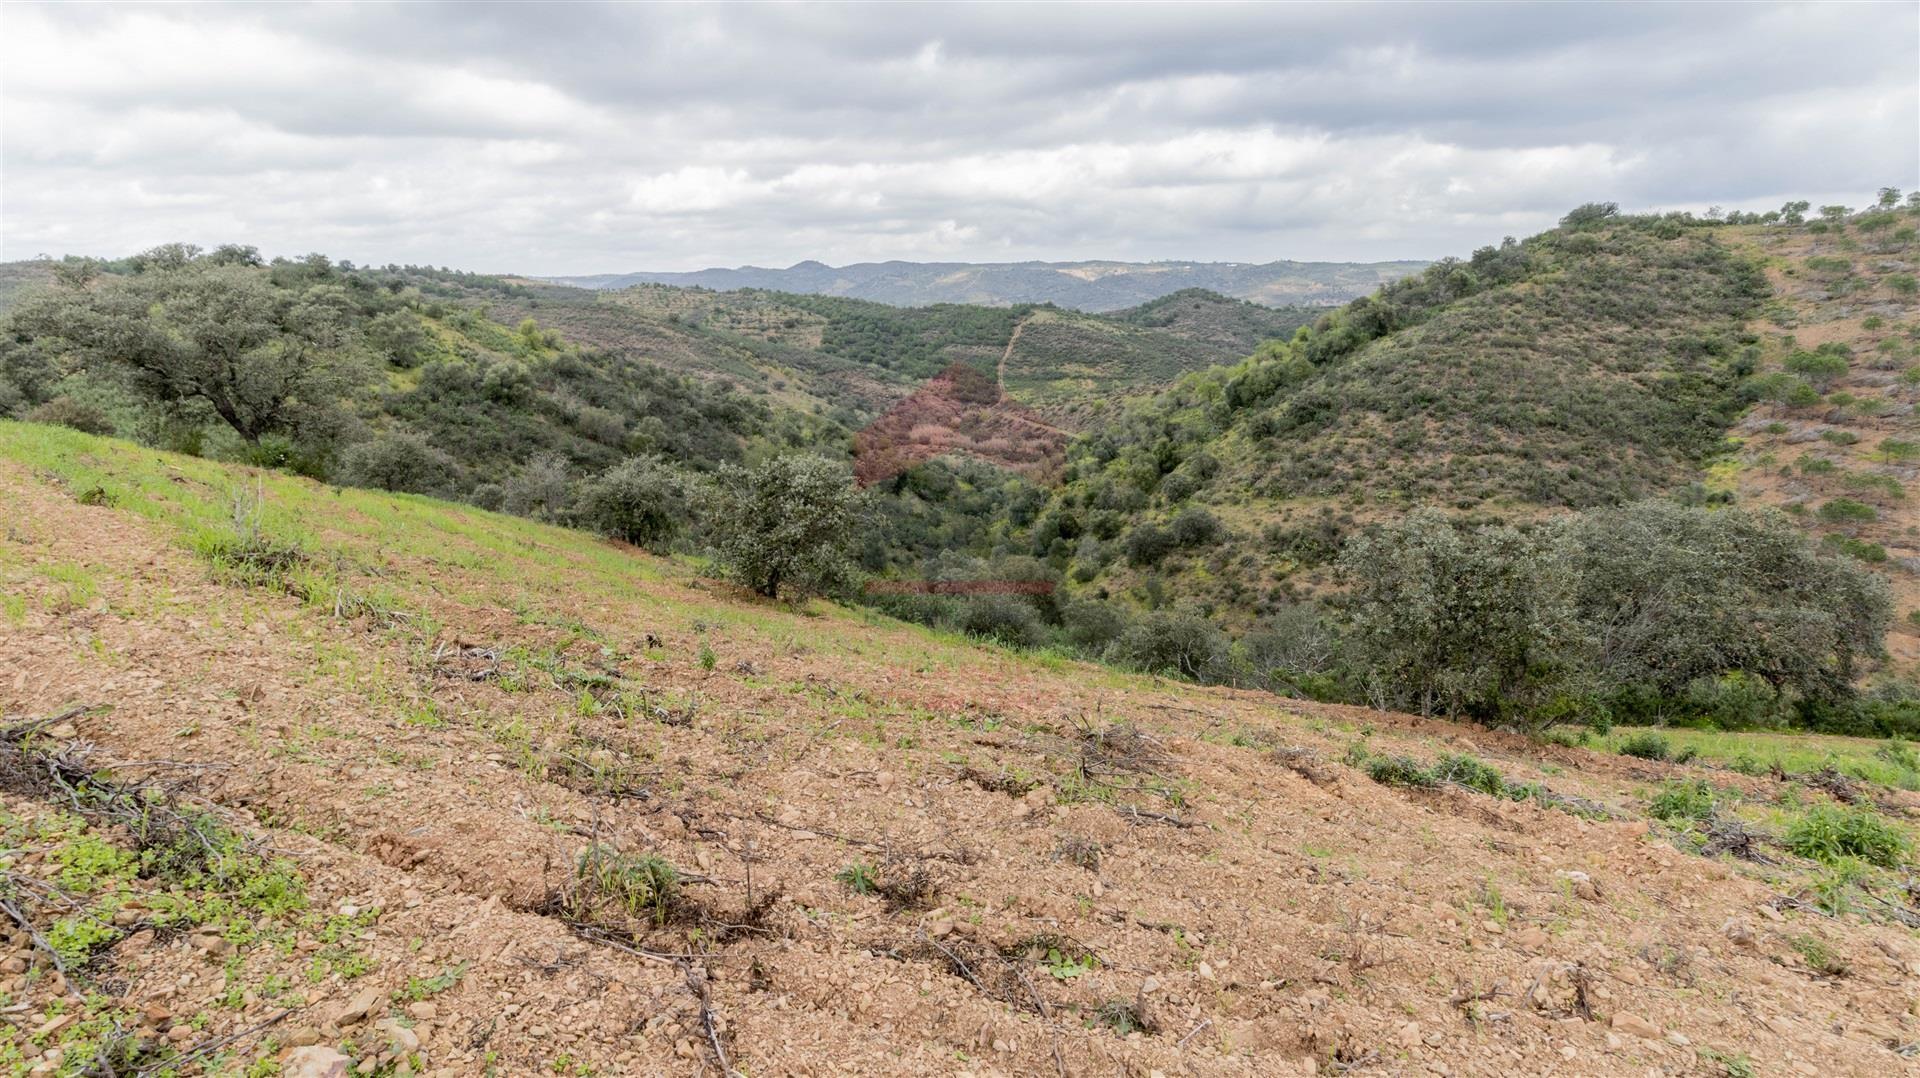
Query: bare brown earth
pixel 961 410
pixel 1070 850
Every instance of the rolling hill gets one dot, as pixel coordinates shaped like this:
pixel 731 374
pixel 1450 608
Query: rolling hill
pixel 1760 365
pixel 1086 286
pixel 863 355
pixel 441 791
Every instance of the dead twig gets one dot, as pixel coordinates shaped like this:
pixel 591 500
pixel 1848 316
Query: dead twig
pixel 209 1046
pixel 697 984
pixel 1194 1032
pixel 959 965
pixel 1139 814
pixel 40 941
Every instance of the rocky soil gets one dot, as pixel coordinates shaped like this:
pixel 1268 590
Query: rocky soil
pixel 890 852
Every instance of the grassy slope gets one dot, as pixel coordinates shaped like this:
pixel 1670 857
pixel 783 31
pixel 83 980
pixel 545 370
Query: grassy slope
pixel 1306 912
pixel 1836 287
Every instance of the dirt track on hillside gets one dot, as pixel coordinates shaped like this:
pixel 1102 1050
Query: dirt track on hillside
pixel 1221 883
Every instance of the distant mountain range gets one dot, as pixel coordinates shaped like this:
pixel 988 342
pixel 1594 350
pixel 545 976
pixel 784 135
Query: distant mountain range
pixel 1085 286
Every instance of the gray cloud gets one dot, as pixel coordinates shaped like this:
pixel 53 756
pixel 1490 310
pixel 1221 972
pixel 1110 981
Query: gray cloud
pixel 573 138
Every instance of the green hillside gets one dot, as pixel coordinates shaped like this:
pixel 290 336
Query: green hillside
pixel 1426 462
pixel 366 377
pixel 853 357
pixel 1475 424
pixel 1581 367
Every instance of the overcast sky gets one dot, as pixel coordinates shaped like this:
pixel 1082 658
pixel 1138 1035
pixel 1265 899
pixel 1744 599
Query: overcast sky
pixel 573 139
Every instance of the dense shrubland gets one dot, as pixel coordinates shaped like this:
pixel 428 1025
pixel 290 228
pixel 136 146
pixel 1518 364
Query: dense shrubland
pixel 1651 612
pixel 1626 358
pixel 1539 391
pixel 359 376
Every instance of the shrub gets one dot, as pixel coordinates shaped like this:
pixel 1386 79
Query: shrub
pixel 1470 772
pixel 399 460
pixel 1149 543
pixel 1007 619
pixel 68 412
pixel 1292 651
pixel 639 500
pixel 1093 625
pixel 1828 833
pixel 399 338
pixel 1471 622
pixel 1164 642
pixel 1590 215
pixel 1820 368
pixel 1690 593
pixel 788 527
pixel 1400 771
pixel 1195 527
pixel 1646 746
pixel 539 490
pixel 1735 701
pixel 1847 511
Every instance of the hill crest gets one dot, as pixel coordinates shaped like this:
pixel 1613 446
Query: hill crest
pixel 1092 285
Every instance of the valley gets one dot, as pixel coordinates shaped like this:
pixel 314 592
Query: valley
pixel 343 739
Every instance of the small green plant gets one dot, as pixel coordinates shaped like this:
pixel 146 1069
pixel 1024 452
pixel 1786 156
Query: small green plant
pixel 1819 957
pixel 1736 1065
pixel 707 657
pixel 1494 902
pixel 1400 771
pixel 1077 850
pixel 640 885
pixel 1899 753
pixel 1683 801
pixel 88 862
pixel 1120 1016
pixel 423 988
pixel 1064 967
pixel 858 878
pixel 1834 889
pixel 1827 833
pixel 75 938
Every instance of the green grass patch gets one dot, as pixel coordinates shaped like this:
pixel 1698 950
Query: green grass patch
pixel 1828 833
pixel 1680 801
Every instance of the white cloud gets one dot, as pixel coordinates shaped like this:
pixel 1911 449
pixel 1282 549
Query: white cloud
pixel 552 139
